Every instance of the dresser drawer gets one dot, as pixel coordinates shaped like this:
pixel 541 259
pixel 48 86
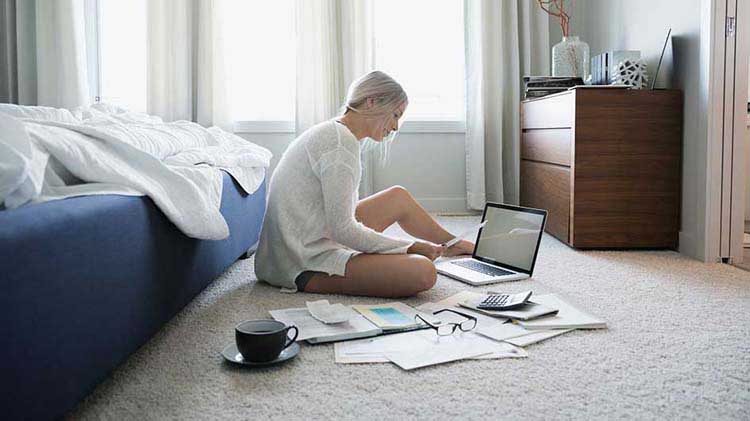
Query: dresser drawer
pixel 547 145
pixel 553 112
pixel 547 186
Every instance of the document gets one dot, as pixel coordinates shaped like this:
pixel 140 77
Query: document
pixel 568 316
pixel 430 349
pixel 422 348
pixel 315 331
pixel 535 336
pixel 330 314
pixel 503 332
pixel 341 357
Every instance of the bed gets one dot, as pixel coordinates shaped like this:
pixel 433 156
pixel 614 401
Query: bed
pixel 86 281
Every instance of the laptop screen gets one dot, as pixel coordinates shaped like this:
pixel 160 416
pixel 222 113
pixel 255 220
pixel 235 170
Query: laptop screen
pixel 510 237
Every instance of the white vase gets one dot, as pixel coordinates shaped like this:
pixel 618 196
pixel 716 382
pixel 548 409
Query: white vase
pixel 570 57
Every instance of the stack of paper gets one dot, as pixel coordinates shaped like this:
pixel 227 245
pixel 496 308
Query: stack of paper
pixel 531 310
pixel 568 317
pixel 517 335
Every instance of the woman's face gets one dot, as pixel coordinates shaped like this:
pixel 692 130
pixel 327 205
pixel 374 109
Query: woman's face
pixel 389 123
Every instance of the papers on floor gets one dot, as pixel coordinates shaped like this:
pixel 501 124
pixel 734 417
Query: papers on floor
pixel 315 331
pixel 423 348
pixel 330 314
pixel 525 333
pixel 391 333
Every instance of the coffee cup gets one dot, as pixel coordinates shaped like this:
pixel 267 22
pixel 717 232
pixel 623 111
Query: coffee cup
pixel 263 340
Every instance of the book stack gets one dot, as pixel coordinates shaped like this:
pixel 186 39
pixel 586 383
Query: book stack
pixel 539 86
pixel 603 65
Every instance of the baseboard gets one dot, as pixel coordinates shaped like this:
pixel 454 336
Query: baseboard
pixel 453 205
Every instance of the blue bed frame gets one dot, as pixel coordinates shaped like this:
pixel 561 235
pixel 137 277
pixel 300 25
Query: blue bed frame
pixel 84 282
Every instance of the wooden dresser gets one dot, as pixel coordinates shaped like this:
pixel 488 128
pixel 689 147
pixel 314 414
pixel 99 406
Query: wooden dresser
pixel 605 163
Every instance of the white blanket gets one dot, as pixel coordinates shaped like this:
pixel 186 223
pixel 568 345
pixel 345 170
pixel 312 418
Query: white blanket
pixel 178 165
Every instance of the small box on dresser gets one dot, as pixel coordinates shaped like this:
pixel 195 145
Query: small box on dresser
pixel 606 164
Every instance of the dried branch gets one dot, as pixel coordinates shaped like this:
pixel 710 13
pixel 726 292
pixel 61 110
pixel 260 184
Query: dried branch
pixel 556 8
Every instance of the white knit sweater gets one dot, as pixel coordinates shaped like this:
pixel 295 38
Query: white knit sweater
pixel 309 223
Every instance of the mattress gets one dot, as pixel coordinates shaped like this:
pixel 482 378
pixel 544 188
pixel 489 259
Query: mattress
pixel 85 281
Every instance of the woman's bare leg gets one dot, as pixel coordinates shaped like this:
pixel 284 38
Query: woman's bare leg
pixel 396 204
pixel 378 275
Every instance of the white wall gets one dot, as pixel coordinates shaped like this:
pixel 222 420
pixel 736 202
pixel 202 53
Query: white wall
pixel 747 147
pixel 642 25
pixel 430 165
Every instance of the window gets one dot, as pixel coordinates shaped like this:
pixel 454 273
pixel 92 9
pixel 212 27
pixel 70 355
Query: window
pixel 260 57
pixel 429 61
pixel 260 54
pixel 122 53
pixel 426 55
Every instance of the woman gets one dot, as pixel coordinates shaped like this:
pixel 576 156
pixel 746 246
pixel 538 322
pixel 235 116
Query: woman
pixel 318 238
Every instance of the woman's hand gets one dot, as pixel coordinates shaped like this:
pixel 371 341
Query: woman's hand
pixel 428 250
pixel 460 248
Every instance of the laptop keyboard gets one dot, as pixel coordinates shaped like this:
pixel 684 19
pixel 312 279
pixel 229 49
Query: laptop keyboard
pixel 480 267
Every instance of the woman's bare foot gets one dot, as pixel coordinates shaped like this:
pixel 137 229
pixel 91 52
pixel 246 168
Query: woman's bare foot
pixel 461 248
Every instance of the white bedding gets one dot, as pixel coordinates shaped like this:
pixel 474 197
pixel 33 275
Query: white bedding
pixel 104 150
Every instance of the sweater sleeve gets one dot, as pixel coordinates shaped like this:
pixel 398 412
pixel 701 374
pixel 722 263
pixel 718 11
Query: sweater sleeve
pixel 337 181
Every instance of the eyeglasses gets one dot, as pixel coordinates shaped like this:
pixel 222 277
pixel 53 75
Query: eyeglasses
pixel 448 329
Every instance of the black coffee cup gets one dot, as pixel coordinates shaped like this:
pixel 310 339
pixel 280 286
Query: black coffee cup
pixel 263 340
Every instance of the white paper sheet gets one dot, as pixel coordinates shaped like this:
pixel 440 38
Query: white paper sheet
pixel 536 336
pixel 423 348
pixel 503 331
pixel 430 349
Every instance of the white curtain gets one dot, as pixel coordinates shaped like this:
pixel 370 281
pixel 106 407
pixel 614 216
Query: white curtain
pixel 8 53
pixel 185 69
pixel 212 106
pixel 334 47
pixel 504 40
pixel 44 53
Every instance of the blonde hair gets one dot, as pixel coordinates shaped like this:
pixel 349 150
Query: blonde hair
pixel 387 95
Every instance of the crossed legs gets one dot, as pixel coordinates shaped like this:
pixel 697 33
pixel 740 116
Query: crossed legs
pixel 384 275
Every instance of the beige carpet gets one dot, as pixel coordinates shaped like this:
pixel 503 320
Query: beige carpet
pixel 678 346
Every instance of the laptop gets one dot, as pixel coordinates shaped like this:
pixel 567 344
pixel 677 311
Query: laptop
pixel 506 247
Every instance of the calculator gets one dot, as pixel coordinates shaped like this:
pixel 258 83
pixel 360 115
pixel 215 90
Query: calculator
pixel 504 301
